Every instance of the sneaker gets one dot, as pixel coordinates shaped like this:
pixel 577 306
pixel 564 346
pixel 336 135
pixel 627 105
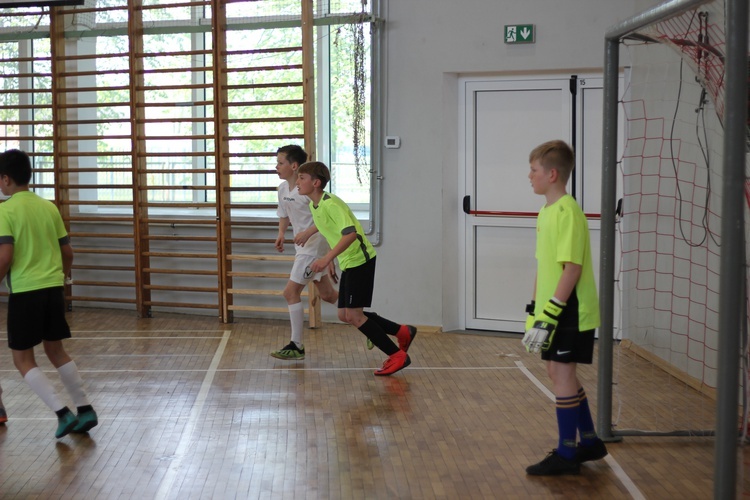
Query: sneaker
pixel 554 465
pixel 86 421
pixel 596 451
pixel 3 416
pixel 291 352
pixel 394 363
pixel 65 424
pixel 405 336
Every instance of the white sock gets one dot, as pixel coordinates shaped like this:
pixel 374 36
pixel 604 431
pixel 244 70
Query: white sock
pixel 297 318
pixel 40 384
pixel 1 397
pixel 73 383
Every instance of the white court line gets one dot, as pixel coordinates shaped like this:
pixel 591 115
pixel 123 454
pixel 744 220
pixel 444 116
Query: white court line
pixel 186 440
pixel 619 473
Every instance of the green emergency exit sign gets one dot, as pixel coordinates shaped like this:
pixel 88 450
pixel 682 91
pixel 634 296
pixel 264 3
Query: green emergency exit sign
pixel 519 33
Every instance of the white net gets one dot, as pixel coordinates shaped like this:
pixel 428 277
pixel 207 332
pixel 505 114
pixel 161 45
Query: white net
pixel 671 220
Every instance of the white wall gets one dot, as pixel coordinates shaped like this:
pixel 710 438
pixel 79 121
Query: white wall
pixel 429 44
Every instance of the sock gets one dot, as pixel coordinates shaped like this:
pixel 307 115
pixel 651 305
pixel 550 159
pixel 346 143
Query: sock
pixel 84 409
pixel 297 319
pixel 62 412
pixel 585 422
pixel 386 325
pixel 374 332
pixel 40 384
pixel 73 383
pixel 567 422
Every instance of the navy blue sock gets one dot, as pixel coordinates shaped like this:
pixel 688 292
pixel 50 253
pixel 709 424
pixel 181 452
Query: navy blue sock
pixel 585 422
pixel 567 425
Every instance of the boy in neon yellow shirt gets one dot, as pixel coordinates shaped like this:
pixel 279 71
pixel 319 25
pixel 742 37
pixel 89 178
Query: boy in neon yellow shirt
pixel 35 258
pixel 565 309
pixel 356 256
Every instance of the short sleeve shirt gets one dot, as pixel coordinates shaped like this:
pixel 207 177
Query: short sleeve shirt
pixel 562 235
pixel 335 219
pixel 35 228
pixel 297 207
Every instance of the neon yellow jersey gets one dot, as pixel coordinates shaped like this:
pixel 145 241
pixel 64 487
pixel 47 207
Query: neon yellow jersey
pixel 334 219
pixel 35 228
pixel 562 235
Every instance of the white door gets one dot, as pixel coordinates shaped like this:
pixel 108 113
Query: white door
pixel 503 121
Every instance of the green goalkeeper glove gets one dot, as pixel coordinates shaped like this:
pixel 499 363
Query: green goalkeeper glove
pixel 540 336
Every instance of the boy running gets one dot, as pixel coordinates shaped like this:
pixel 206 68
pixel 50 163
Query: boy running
pixel 356 256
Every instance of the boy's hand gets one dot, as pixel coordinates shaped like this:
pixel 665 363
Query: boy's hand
pixel 540 335
pixel 302 238
pixel 319 265
pixel 279 244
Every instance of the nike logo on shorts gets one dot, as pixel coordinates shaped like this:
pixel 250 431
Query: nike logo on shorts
pixel 562 353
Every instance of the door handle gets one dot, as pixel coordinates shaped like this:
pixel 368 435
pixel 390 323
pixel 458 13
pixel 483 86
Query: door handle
pixel 467 204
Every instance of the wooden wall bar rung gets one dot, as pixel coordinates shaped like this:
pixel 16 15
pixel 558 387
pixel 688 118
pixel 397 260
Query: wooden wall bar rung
pixel 262 309
pixel 103 283
pixel 85 298
pixel 258 274
pixel 104 251
pixel 103 267
pixel 277 258
pixel 237 291
pixel 180 271
pixel 181 255
pixel 204 289
pixel 180 304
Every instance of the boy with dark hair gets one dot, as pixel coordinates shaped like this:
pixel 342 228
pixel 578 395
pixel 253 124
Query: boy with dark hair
pixel 35 258
pixel 309 245
pixel 565 309
pixel 356 256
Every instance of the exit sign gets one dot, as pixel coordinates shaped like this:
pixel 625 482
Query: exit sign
pixel 519 33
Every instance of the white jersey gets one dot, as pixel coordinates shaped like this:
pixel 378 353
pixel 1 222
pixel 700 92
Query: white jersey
pixel 297 207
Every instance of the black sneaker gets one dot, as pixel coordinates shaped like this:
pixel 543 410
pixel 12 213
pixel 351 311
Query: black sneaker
pixel 554 465
pixel 596 451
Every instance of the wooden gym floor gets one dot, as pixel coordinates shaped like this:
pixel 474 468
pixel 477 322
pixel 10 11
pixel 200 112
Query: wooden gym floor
pixel 192 408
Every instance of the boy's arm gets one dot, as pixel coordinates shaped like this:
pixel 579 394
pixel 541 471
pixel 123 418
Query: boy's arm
pixel 305 235
pixel 6 257
pixel 283 226
pixel 67 258
pixel 322 263
pixel 570 276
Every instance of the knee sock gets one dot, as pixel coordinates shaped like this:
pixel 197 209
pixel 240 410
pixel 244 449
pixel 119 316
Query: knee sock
pixel 374 332
pixel 40 384
pixel 567 422
pixel 1 397
pixel 386 325
pixel 585 422
pixel 297 319
pixel 72 381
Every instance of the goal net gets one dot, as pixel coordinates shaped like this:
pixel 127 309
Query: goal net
pixel 670 223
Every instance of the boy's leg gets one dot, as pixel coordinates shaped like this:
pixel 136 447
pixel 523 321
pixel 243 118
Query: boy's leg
pixel 562 459
pixel 397 358
pixel 3 413
pixel 404 333
pixel 71 379
pixel 40 384
pixel 295 350
pixel 590 447
pixel 326 290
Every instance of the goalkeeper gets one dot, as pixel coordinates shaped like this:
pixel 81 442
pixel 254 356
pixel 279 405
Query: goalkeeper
pixel 565 310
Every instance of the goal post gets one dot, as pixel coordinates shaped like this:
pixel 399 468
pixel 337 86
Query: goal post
pixel 725 83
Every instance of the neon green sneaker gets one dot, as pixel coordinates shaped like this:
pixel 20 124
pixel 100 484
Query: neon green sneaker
pixel 290 352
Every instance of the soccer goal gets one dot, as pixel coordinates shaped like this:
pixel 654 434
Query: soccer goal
pixel 681 274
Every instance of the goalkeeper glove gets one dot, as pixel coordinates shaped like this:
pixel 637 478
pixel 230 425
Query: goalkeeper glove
pixel 540 336
pixel 530 318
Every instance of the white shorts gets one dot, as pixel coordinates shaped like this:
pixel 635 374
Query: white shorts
pixel 302 263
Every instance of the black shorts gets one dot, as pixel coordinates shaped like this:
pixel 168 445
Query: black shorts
pixel 35 316
pixel 356 285
pixel 571 346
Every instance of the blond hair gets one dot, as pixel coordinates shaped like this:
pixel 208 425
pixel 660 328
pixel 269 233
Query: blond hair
pixel 555 154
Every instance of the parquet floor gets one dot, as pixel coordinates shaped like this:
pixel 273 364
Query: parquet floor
pixel 190 408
